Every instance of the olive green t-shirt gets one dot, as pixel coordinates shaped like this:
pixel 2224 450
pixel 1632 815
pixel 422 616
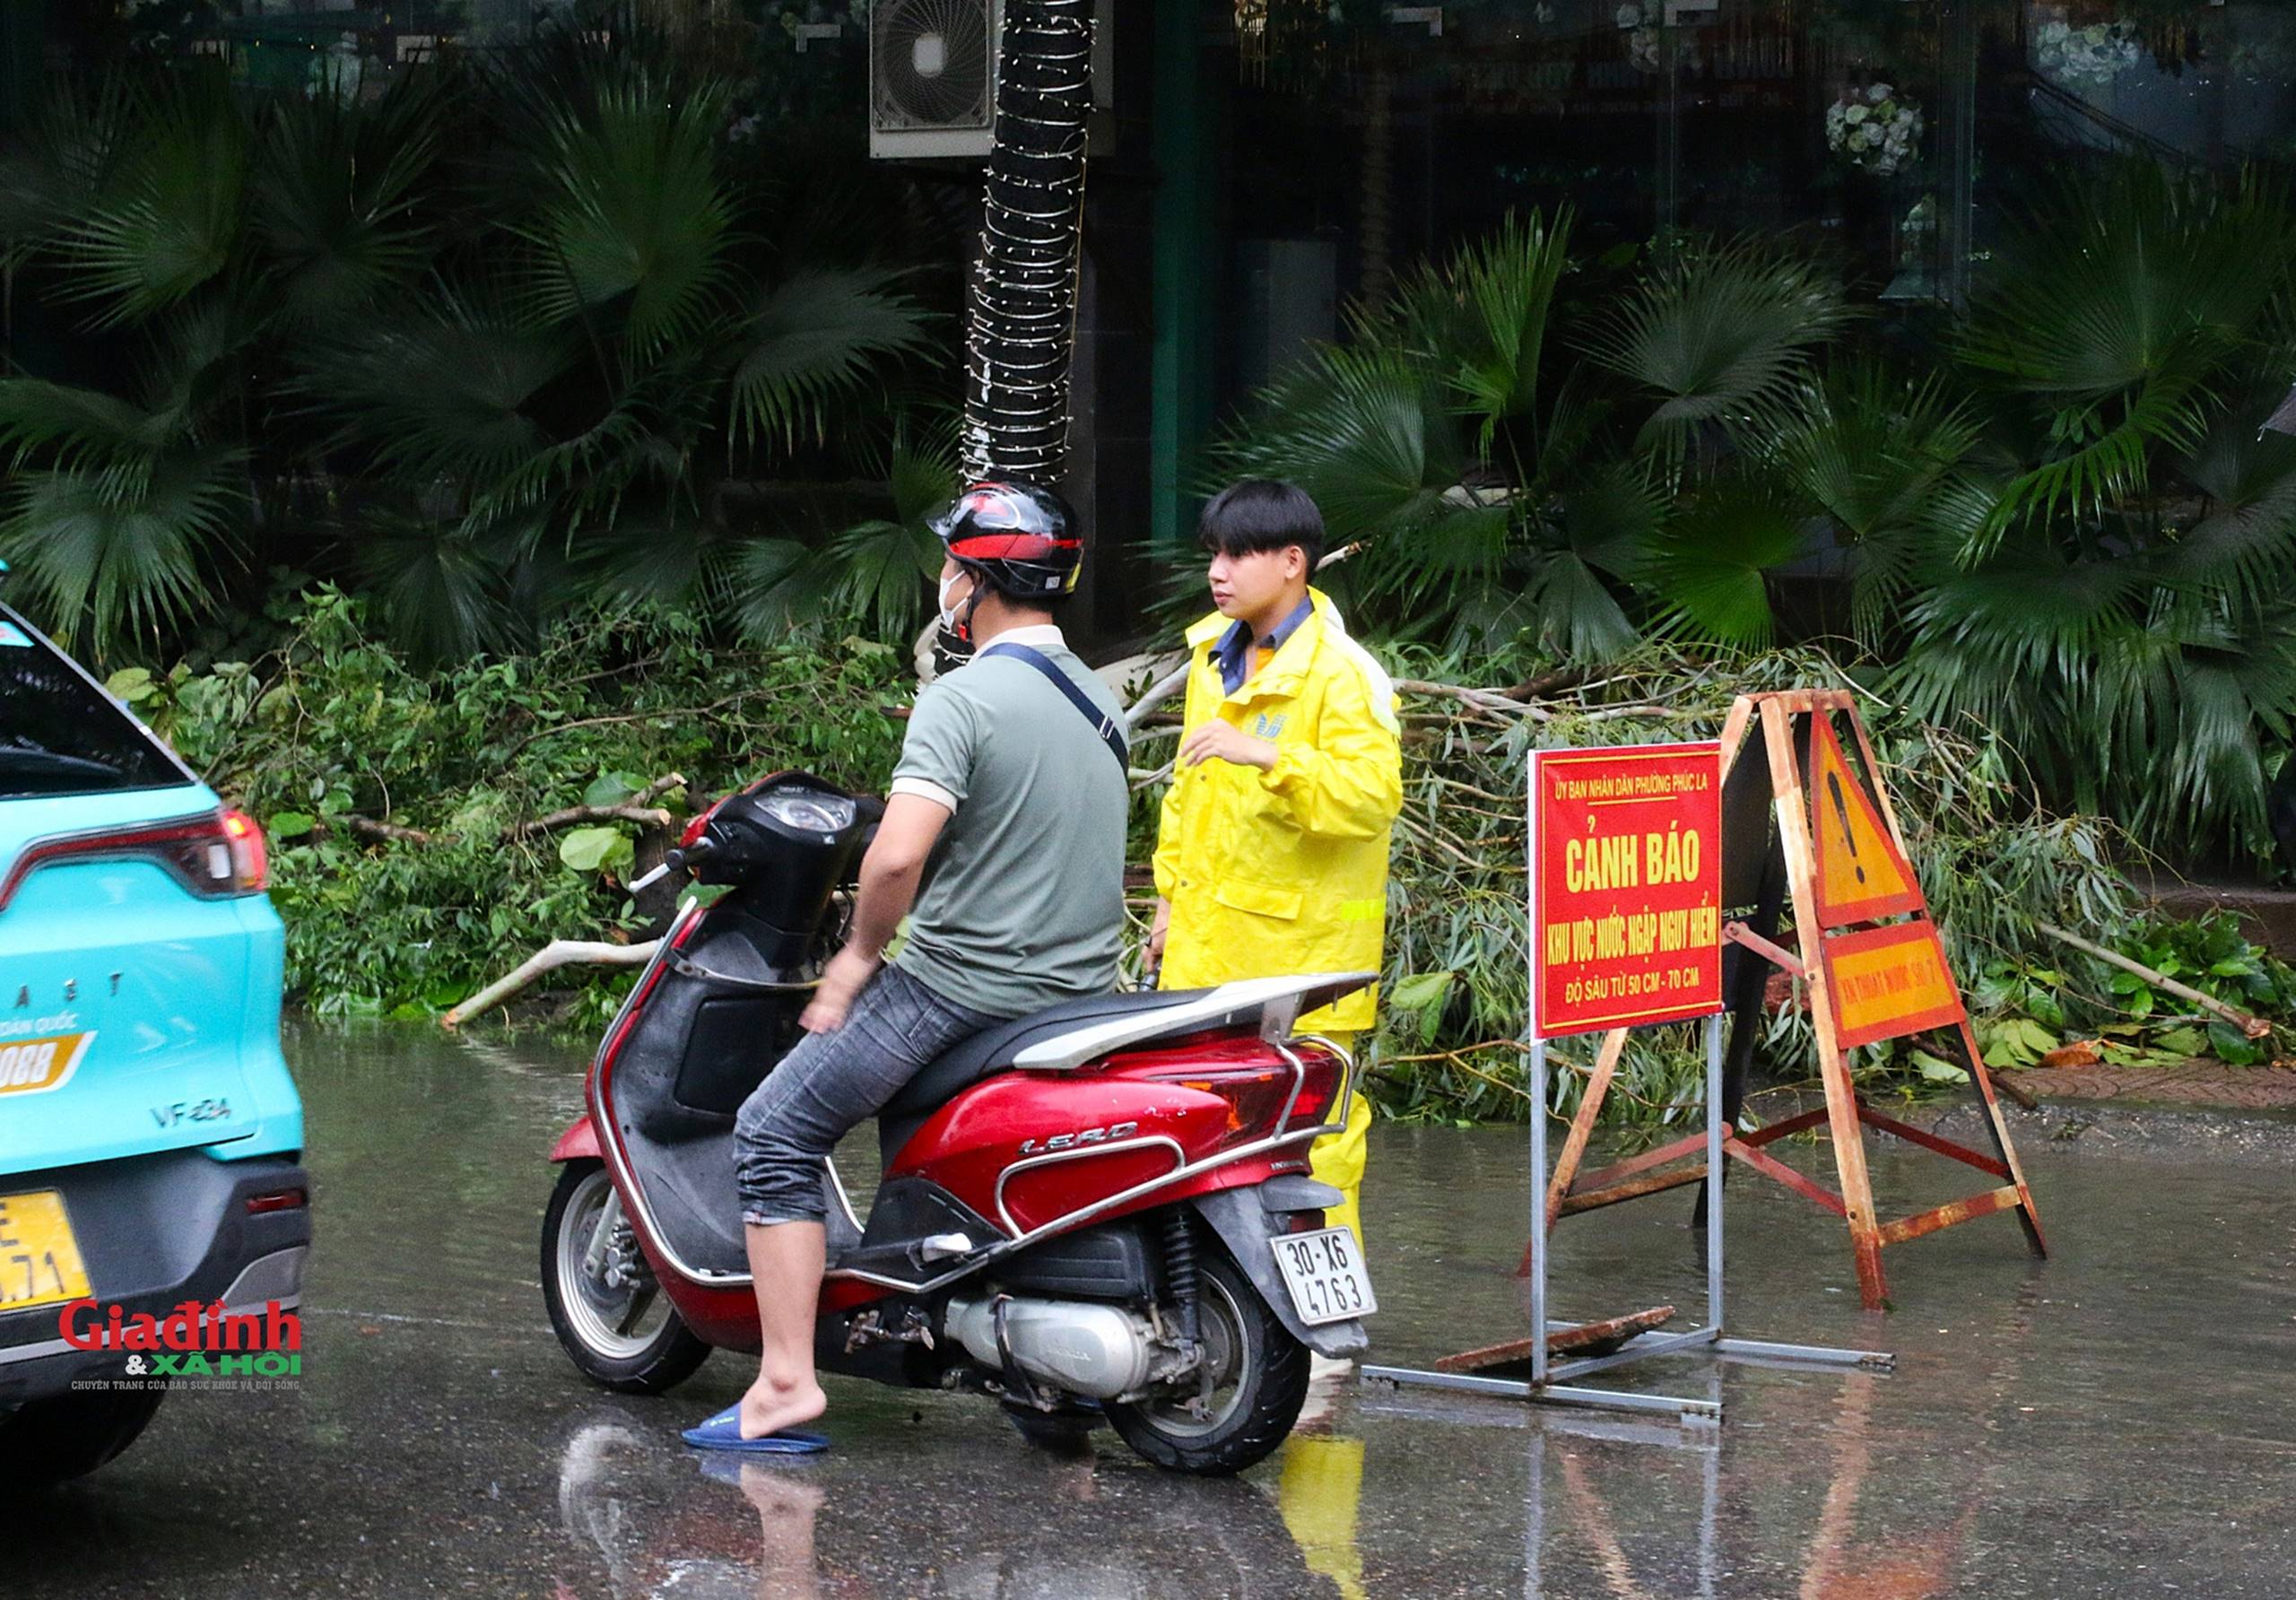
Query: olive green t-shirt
pixel 1025 895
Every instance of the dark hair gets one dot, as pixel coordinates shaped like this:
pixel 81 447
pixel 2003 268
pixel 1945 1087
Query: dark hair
pixel 1261 514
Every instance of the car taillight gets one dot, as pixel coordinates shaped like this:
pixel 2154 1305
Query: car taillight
pixel 206 854
pixel 272 1200
pixel 250 861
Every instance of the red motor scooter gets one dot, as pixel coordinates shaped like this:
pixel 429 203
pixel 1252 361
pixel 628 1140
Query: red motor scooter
pixel 1100 1212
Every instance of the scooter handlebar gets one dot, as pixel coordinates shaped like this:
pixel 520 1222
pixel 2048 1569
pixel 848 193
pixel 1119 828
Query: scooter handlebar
pixel 676 859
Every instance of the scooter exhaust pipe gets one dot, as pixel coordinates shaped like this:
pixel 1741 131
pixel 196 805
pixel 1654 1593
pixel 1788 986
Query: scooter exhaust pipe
pixel 1103 1352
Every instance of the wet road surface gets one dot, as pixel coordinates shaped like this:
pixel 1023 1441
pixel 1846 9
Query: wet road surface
pixel 2117 1421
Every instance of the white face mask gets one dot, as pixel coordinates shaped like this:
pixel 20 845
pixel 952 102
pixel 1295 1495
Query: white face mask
pixel 948 613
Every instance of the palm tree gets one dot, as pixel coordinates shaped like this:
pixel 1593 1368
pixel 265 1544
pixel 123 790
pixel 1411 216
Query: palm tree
pixel 2069 527
pixel 1514 462
pixel 505 339
pixel 2117 560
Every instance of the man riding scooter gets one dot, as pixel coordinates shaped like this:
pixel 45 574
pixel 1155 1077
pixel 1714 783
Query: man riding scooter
pixel 1010 787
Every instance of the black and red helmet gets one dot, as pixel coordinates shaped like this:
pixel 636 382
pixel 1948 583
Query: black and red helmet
pixel 1022 537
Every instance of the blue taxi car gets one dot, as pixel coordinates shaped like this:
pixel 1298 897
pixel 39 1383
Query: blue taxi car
pixel 150 1134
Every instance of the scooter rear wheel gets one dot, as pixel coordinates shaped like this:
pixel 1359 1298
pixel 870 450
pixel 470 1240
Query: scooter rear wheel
pixel 625 1336
pixel 1259 1381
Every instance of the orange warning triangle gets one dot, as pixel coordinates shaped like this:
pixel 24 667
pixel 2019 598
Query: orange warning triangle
pixel 1860 875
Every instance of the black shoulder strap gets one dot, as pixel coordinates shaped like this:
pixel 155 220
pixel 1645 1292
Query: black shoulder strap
pixel 1101 725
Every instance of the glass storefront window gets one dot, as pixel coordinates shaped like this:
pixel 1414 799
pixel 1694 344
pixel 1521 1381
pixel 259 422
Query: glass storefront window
pixel 1896 134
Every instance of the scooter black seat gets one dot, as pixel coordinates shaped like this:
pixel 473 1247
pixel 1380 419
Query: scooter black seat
pixel 992 1049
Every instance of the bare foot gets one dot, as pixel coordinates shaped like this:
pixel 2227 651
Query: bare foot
pixel 768 1407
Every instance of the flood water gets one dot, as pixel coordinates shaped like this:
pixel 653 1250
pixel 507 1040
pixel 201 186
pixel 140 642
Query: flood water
pixel 2117 1420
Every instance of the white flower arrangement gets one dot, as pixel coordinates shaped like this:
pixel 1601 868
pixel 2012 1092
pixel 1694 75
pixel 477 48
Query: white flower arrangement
pixel 1642 37
pixel 1875 130
pixel 2096 54
pixel 1640 20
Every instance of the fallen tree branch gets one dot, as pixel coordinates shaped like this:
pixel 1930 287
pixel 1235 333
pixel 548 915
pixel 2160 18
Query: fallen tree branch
pixel 638 809
pixel 662 714
pixel 550 958
pixel 369 828
pixel 2253 1027
pixel 1487 701
pixel 643 815
pixel 658 788
pixel 1157 693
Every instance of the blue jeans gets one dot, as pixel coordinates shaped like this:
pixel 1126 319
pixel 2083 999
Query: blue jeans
pixel 829 1084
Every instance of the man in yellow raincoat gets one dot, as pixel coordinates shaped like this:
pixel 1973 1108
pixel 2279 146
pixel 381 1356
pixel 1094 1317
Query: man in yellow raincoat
pixel 1273 854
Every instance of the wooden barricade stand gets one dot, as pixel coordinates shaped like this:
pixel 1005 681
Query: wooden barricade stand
pixel 1873 969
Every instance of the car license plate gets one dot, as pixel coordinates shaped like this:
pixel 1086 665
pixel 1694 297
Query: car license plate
pixel 1325 1273
pixel 39 1260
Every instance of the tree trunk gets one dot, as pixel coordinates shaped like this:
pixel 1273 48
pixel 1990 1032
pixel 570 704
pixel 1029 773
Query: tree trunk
pixel 1022 304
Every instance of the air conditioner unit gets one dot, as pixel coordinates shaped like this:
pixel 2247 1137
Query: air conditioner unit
pixel 932 76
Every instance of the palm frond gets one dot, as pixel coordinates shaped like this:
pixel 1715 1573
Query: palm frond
pixel 633 219
pixel 2245 546
pixel 1881 455
pixel 922 472
pixel 1717 333
pixel 2102 285
pixel 1711 567
pixel 443 592
pixel 1574 612
pixel 1483 317
pixel 78 431
pixel 817 337
pixel 447 393
pixel 774 587
pixel 884 570
pixel 1366 431
pixel 167 216
pixel 52 172
pixel 113 553
pixel 333 191
pixel 2110 462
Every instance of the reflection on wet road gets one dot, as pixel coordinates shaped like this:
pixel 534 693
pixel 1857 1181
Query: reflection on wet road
pixel 2114 1422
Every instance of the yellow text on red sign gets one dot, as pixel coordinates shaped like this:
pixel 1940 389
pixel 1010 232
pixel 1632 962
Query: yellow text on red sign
pixel 1887 982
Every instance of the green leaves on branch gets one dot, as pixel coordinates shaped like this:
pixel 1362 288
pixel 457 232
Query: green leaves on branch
pixel 595 850
pixel 337 723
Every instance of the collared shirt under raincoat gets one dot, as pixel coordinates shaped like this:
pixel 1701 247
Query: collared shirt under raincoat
pixel 1285 872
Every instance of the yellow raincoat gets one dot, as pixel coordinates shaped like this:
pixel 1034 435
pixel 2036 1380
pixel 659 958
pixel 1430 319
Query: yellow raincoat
pixel 1270 873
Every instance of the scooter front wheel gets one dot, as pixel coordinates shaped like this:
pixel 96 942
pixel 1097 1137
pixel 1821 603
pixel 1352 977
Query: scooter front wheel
pixel 614 1321
pixel 1252 1384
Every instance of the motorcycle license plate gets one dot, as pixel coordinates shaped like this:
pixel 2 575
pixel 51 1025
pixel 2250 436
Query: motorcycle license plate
pixel 39 1260
pixel 1325 1273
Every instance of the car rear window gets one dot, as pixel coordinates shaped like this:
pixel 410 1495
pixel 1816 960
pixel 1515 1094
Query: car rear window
pixel 60 735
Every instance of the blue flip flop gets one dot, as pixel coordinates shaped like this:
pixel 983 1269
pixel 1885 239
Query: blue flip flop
pixel 723 1432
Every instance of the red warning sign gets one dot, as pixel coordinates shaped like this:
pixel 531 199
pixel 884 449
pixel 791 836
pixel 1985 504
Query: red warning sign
pixel 1860 875
pixel 1626 886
